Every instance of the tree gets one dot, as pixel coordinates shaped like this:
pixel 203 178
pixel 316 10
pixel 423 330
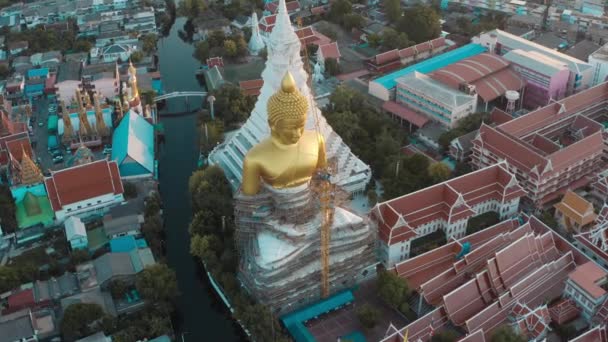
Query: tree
pixel 338 10
pixel 158 284
pixel 147 96
pixel 191 8
pixel 353 20
pixel 439 172
pixel 201 51
pixel 152 205
pixel 505 333
pixel 374 40
pixel 130 190
pixel 149 42
pixel 118 288
pixel 211 191
pixel 79 256
pixel 4 71
pixel 241 46
pixel 232 105
pixel 137 56
pixel 393 10
pixel 206 247
pixel 368 316
pixel 445 336
pixel 78 320
pixel 9 278
pixel 332 66
pixel 549 219
pixel 392 39
pixel 230 48
pixel 392 289
pixel 216 38
pixel 8 221
pixel 212 133
pixel 420 23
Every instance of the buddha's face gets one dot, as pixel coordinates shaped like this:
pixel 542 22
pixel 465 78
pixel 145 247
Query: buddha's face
pixel 288 132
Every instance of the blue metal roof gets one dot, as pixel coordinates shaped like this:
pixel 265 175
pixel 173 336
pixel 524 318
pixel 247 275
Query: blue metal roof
pixel 42 72
pixel 429 65
pixel 134 137
pixel 123 244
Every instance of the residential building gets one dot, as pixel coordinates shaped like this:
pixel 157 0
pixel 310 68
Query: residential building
pixel 445 206
pixel 574 214
pixel 550 150
pixel 501 42
pixel 133 147
pixel 85 190
pixel 504 276
pixel 76 233
pixel 546 78
pixel 49 60
pixel 143 22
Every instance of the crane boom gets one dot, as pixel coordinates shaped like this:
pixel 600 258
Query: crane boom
pixel 324 191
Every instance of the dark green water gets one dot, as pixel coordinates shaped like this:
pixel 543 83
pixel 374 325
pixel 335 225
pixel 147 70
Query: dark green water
pixel 202 316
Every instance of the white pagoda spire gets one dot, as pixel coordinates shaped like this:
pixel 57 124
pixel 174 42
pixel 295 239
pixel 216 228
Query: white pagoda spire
pixel 256 44
pixel 284 55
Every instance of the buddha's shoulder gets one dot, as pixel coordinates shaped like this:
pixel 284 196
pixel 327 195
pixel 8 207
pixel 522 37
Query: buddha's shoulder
pixel 259 150
pixel 311 134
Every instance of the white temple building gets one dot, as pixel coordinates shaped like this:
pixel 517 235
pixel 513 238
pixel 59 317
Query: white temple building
pixel 284 55
pixel 256 43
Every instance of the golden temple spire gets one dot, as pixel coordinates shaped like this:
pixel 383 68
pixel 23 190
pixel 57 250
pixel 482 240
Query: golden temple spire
pixel 100 125
pixel 133 82
pixel 78 99
pixel 29 173
pixel 85 127
pixel 87 98
pixel 68 129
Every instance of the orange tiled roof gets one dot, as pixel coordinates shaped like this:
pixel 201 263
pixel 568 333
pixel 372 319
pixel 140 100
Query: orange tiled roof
pixel 576 208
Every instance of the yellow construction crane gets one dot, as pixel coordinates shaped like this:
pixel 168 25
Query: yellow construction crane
pixel 324 188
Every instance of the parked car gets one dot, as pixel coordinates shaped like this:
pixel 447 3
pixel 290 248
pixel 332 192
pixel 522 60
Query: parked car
pixel 40 124
pixel 58 159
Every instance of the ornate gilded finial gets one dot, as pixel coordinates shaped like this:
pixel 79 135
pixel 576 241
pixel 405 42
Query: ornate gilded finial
pixel 288 84
pixel 287 103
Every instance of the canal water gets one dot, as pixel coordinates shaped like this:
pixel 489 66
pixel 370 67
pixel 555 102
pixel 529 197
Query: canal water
pixel 201 315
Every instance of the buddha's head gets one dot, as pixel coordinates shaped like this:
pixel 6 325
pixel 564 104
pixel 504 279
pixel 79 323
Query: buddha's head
pixel 287 110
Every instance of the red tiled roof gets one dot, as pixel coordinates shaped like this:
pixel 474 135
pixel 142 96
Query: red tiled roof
pixel 586 277
pixel 79 183
pixel 21 300
pixel 399 217
pixel 307 35
pixel 292 6
pixel 597 334
pixel 318 10
pixel 16 147
pixel 330 50
pixel 251 87
pixel 386 57
pixel 405 113
pixel 267 23
pixel 489 73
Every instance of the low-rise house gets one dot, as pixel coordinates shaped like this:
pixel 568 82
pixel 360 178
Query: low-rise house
pixel 330 50
pixel 142 22
pixel 69 77
pixel 22 64
pixel 112 53
pixel 85 190
pixel 460 148
pixel 574 213
pixel 213 23
pixel 15 48
pixel 104 78
pixel 18 327
pixel 49 60
pixel 116 37
pixel 123 220
pixel 76 233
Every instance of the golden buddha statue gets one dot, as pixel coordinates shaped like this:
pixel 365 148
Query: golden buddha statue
pixel 291 155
